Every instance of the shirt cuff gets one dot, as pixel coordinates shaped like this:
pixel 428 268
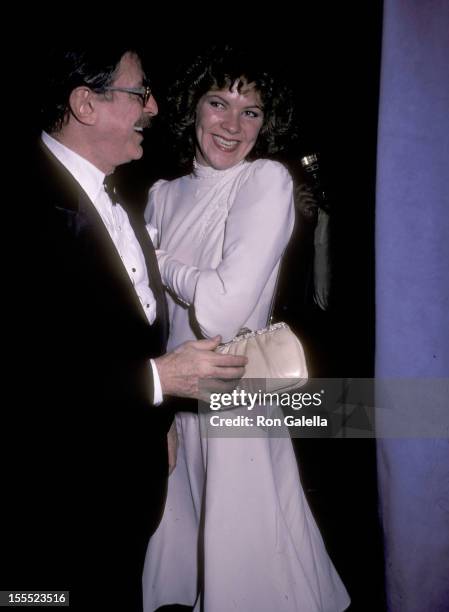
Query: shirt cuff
pixel 157 387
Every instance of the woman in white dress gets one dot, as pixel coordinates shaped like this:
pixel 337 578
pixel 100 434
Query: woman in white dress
pixel 237 532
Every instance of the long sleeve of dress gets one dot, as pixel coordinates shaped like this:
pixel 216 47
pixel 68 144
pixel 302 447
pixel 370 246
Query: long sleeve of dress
pixel 180 278
pixel 258 227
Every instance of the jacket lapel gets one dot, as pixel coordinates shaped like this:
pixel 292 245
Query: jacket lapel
pixel 81 216
pixel 153 272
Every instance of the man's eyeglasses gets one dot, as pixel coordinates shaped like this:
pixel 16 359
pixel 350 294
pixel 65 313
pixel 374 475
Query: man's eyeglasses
pixel 143 92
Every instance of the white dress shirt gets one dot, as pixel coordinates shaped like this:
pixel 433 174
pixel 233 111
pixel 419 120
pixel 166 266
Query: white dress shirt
pixel 119 228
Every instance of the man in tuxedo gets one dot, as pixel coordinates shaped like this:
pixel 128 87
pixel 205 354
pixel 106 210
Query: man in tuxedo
pixel 85 437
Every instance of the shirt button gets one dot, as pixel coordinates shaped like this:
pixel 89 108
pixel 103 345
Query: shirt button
pixel 133 269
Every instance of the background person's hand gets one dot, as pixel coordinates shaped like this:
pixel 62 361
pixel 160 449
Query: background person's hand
pixel 305 201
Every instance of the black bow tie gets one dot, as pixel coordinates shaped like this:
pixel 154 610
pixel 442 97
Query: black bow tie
pixel 110 188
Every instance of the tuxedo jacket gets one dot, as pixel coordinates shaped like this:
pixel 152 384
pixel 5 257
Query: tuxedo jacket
pixel 86 452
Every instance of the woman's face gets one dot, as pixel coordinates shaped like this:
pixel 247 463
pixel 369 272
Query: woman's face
pixel 227 125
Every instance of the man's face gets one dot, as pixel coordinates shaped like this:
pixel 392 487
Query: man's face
pixel 122 117
pixel 228 123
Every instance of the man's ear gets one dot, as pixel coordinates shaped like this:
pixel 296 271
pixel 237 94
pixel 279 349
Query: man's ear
pixel 83 105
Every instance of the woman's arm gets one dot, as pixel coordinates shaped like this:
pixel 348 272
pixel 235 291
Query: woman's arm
pixel 258 228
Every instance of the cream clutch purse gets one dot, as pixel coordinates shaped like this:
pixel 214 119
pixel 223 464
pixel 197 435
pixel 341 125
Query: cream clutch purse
pixel 274 354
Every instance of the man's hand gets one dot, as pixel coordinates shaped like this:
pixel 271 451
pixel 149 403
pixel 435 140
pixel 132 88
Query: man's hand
pixel 181 370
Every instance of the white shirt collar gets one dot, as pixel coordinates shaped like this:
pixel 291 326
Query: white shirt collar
pixel 207 172
pixel 86 174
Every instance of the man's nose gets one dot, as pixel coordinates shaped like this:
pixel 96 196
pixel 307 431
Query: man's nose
pixel 151 107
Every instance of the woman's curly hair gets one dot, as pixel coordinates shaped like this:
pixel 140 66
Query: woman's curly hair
pixel 222 67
